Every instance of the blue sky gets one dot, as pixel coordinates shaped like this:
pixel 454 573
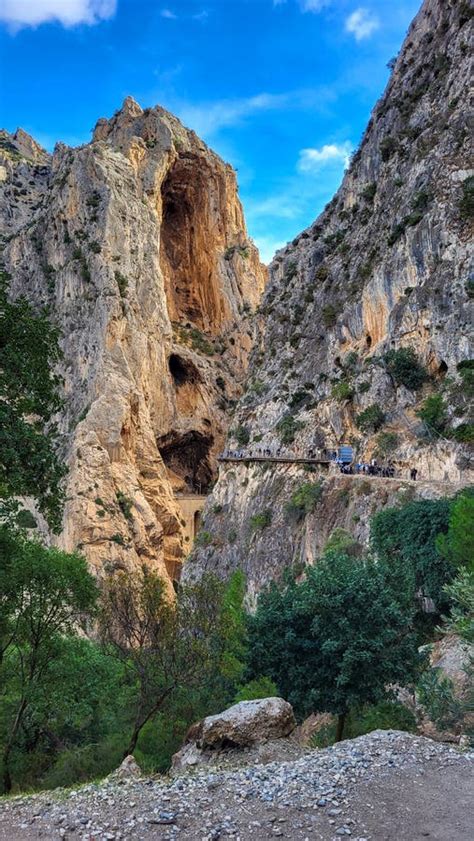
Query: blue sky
pixel 280 88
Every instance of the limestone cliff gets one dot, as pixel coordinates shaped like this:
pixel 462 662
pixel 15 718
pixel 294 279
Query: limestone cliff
pixel 137 244
pixel 384 267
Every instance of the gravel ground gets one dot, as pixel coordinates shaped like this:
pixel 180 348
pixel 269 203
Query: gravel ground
pixel 382 786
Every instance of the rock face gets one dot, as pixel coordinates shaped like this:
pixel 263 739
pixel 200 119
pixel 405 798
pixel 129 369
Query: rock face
pixel 243 725
pixel 137 244
pixel 384 268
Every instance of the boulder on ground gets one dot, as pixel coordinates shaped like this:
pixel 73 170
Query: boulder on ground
pixel 244 725
pixel 247 723
pixel 128 769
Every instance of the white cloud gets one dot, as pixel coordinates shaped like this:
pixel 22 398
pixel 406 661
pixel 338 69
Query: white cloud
pixel 19 13
pixel 307 5
pixel 208 118
pixel 311 160
pixel 361 24
pixel 168 14
pixel 201 15
pixel 267 247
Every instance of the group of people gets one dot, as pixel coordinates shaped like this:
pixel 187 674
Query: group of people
pixel 370 468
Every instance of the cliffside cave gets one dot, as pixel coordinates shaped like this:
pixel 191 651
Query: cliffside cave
pixel 187 456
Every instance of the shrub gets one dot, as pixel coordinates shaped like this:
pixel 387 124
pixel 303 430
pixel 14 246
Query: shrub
pixel 387 442
pixel 26 520
pixel 405 368
pixel 397 231
pixel 342 391
pixel 241 434
pixel 304 500
pixel 371 418
pixel 299 397
pixel 329 312
pixel 322 272
pixel 433 413
pixel 291 270
pixel 203 539
pixel 287 428
pixel 125 504
pixel 387 148
pixel 261 687
pixel 363 387
pixel 467 199
pixel 368 193
pixel 122 283
pixel 261 521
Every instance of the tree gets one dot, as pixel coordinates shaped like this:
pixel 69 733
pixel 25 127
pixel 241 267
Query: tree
pixel 458 543
pixel 371 419
pixel 44 595
pixel 405 540
pixel 433 413
pixel 169 647
pixel 29 397
pixel 334 641
pixel 405 367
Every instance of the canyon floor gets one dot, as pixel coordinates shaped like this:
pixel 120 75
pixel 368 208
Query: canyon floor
pixel 384 786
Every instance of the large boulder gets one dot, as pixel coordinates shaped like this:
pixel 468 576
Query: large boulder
pixel 243 726
pixel 247 723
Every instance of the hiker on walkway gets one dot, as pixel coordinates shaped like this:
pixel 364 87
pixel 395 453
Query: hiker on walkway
pixel 413 473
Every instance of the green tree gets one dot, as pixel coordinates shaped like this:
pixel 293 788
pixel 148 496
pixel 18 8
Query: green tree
pixel 433 413
pixel 334 641
pixel 29 398
pixel 170 647
pixel 371 418
pixel 405 367
pixel 458 543
pixel 45 594
pixel 405 540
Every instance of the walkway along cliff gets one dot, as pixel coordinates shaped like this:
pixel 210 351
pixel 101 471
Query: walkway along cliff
pixel 367 328
pixel 137 244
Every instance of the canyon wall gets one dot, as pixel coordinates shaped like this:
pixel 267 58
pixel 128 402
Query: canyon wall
pixel 136 243
pixel 385 267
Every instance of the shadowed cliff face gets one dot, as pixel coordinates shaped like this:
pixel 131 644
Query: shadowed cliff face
pixel 137 243
pixel 384 267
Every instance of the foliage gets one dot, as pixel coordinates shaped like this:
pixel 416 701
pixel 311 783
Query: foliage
pixel 433 413
pixel 340 540
pixel 387 442
pixel 44 594
pixel 261 687
pixel 406 541
pixel 466 205
pixel 405 368
pixel 261 521
pixel 387 147
pixel 29 397
pixel 371 418
pixel 436 694
pixel 287 428
pixel 461 598
pixel 241 435
pixel 329 313
pixel 125 504
pixel 168 648
pixel 457 544
pixel 203 538
pixel 342 391
pixel 304 499
pixel 336 640
pixel 122 283
pixel 385 715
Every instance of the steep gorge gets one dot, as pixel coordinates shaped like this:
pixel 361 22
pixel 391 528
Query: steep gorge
pixel 136 243
pixel 384 269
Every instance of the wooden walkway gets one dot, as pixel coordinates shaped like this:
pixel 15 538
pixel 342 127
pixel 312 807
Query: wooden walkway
pixel 282 459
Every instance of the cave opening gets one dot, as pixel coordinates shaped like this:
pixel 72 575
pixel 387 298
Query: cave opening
pixel 187 456
pixel 442 369
pixel 182 370
pixel 368 341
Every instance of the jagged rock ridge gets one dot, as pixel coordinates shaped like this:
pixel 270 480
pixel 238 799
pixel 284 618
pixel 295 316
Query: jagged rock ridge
pixel 137 243
pixel 384 267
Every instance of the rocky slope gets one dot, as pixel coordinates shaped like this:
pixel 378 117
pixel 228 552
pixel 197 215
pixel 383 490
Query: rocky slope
pixel 137 244
pixel 366 788
pixel 385 267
